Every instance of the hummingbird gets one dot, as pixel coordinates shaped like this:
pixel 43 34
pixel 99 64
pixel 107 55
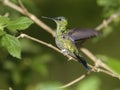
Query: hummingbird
pixel 70 40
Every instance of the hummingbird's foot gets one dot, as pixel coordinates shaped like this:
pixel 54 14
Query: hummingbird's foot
pixel 65 52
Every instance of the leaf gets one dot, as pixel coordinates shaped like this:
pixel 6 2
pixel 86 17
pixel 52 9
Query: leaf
pixel 91 83
pixel 21 23
pixel 3 22
pixel 2 32
pixel 12 44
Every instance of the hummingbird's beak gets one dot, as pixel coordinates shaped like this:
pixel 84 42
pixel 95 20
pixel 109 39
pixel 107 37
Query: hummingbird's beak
pixel 48 17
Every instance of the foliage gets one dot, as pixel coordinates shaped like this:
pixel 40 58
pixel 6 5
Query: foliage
pixel 10 42
pixel 110 7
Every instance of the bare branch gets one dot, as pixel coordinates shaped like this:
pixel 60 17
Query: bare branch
pixel 39 41
pixel 44 43
pixel 84 75
pixel 12 5
pixel 108 21
pixel 24 11
pixel 98 62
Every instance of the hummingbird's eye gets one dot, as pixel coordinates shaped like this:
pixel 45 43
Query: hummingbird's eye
pixel 59 19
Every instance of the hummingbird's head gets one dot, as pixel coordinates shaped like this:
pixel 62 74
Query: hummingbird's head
pixel 61 21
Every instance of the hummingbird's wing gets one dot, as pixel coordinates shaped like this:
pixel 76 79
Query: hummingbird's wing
pixel 81 35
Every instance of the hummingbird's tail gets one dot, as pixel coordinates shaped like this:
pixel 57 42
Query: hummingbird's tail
pixel 83 61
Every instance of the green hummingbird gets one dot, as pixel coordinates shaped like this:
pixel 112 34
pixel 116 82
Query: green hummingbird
pixel 69 40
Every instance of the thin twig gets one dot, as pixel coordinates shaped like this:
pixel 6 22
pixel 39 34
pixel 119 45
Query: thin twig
pixel 39 41
pixel 23 7
pixel 108 21
pixel 74 81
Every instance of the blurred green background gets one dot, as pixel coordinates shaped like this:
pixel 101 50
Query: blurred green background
pixel 41 66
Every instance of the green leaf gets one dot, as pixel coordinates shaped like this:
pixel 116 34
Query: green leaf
pixel 2 32
pixel 21 23
pixel 12 44
pixel 3 22
pixel 91 83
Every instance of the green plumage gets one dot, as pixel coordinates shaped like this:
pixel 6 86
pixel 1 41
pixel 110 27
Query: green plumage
pixel 67 39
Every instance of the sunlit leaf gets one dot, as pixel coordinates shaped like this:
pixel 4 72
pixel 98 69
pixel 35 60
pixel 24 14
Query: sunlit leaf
pixel 21 23
pixel 12 44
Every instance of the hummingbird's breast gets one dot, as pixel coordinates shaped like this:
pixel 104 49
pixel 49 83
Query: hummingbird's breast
pixel 64 43
pixel 60 42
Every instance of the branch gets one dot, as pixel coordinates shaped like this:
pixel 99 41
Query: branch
pixel 30 15
pixel 22 35
pixel 108 21
pixel 98 63
pixel 24 11
pixel 84 75
pixel 39 41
